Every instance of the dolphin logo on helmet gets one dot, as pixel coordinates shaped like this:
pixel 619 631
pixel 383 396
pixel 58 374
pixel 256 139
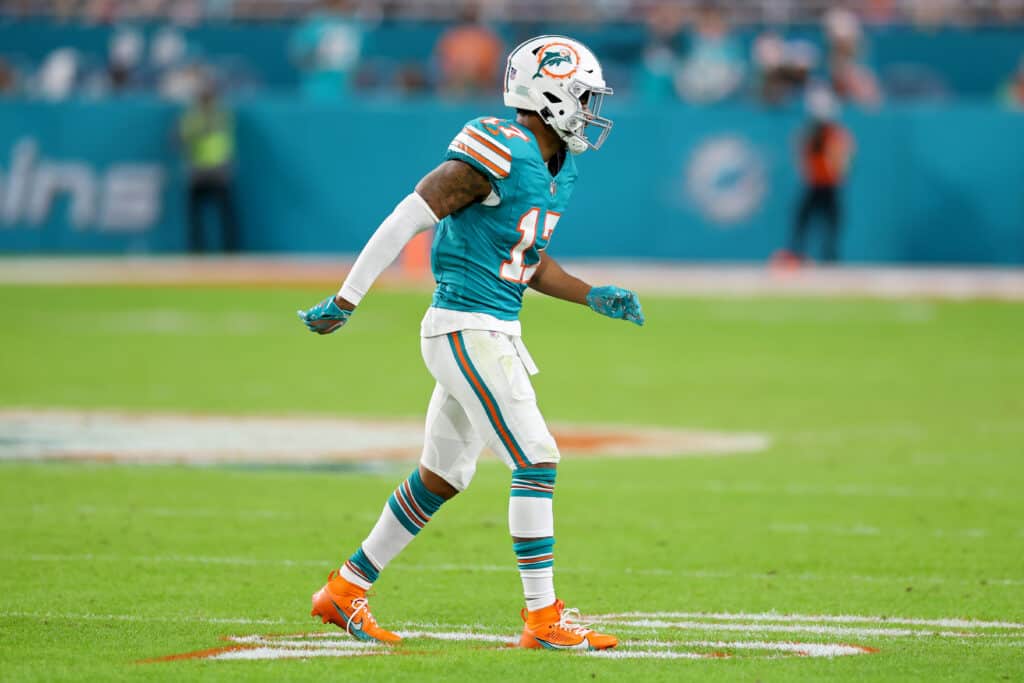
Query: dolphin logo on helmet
pixel 549 58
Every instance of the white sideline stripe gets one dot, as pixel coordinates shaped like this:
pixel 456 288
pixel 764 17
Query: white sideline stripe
pixel 816 618
pixel 647 571
pixel 786 628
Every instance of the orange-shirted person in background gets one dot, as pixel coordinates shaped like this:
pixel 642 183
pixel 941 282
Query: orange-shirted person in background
pixel 470 56
pixel 825 152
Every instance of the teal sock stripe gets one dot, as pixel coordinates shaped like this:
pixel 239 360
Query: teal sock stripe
pixel 536 554
pixel 412 504
pixel 428 500
pixel 361 566
pixel 533 482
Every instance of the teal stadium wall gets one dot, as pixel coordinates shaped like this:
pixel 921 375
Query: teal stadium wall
pixel 929 184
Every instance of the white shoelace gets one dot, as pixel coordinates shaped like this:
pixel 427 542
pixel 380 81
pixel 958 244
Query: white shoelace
pixel 570 620
pixel 360 605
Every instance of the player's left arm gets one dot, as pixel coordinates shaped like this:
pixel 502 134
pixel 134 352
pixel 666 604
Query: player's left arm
pixel 615 302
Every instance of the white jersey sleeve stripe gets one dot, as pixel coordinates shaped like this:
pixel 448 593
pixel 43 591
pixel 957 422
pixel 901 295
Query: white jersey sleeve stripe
pixel 490 142
pixel 491 167
pixel 504 164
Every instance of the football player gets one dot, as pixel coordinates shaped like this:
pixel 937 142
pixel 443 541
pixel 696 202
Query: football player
pixel 495 202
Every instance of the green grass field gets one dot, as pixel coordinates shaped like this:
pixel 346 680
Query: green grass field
pixel 894 487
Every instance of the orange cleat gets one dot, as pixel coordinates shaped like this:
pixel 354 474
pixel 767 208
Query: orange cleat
pixel 344 605
pixel 558 628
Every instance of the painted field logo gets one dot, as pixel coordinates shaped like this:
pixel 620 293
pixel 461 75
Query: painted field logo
pixel 648 635
pixel 208 439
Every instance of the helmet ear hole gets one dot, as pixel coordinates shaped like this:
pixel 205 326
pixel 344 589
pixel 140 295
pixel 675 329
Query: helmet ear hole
pixel 561 112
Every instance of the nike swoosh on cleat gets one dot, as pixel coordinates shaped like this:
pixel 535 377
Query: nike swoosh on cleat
pixel 353 627
pixel 582 645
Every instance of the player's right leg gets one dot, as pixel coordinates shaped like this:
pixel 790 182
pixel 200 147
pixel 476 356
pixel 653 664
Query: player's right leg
pixel 486 374
pixel 449 455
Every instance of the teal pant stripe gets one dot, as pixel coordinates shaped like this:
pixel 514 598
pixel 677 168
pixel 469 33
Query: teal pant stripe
pixel 473 377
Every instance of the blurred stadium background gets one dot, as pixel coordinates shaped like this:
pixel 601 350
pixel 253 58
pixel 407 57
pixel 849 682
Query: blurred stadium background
pixel 258 143
pixel 337 107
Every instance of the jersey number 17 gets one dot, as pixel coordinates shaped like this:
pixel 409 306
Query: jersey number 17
pixel 514 269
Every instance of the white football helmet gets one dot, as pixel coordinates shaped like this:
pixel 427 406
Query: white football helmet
pixel 560 79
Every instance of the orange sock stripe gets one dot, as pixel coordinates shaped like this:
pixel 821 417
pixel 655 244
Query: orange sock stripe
pixel 407 490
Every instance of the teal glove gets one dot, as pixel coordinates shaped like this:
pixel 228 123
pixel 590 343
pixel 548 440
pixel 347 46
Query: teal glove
pixel 325 317
pixel 616 302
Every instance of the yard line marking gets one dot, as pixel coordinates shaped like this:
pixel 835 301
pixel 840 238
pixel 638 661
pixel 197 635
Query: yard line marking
pixel 158 511
pixel 819 618
pixel 650 654
pixel 88 616
pixel 443 567
pixel 461 637
pixel 807 649
pixel 794 628
pixel 850 490
pixel 167 559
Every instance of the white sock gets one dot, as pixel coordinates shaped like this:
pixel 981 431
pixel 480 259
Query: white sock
pixel 407 511
pixel 530 516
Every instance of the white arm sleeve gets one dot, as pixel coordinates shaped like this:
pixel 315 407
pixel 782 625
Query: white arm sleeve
pixel 411 217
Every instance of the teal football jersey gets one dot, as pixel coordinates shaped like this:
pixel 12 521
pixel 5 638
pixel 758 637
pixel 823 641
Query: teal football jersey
pixel 484 255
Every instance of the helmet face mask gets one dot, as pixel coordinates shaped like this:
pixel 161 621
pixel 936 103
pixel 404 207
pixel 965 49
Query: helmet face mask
pixel 560 79
pixel 590 100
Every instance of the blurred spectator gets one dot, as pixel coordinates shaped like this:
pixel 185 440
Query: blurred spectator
pixel 825 152
pixel 125 56
pixel 713 69
pixel 782 68
pixel 880 11
pixel 8 78
pixel 1013 91
pixel 470 56
pixel 666 40
pixel 58 74
pixel 930 13
pixel 206 132
pixel 326 48
pixel 169 69
pixel 1010 11
pixel 850 79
